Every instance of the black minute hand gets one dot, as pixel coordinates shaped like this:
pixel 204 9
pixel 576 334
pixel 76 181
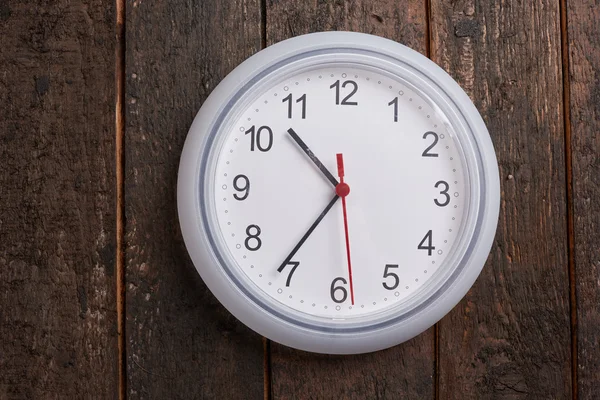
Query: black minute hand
pixel 312 156
pixel 308 232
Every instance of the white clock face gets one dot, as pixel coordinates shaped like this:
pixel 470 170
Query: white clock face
pixel 286 218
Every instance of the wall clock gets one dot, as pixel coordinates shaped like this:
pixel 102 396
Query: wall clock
pixel 338 193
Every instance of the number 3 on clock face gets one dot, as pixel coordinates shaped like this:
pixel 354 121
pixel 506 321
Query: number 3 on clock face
pixel 338 193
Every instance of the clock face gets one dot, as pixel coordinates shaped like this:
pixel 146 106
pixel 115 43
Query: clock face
pixel 333 246
pixel 338 193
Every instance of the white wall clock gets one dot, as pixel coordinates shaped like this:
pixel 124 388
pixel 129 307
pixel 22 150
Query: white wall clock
pixel 338 193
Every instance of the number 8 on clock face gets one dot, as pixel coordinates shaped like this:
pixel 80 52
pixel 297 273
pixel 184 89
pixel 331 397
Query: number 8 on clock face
pixel 338 193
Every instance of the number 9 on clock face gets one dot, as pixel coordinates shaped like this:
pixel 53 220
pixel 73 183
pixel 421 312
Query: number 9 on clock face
pixel 338 192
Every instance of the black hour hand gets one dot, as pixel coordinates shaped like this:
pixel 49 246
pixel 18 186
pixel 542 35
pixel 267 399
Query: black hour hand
pixel 312 157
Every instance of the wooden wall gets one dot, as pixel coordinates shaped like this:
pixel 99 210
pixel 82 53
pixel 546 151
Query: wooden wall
pixel 98 298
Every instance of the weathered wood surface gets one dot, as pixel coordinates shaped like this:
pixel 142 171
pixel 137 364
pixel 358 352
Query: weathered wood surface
pixel 510 336
pixel 181 343
pixel 58 333
pixel 584 51
pixel 405 371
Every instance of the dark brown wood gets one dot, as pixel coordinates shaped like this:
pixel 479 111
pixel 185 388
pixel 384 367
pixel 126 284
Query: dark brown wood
pixel 583 19
pixel 181 342
pixel 58 333
pixel 405 371
pixel 510 336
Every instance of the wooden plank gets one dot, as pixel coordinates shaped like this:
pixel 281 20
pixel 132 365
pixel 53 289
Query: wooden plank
pixel 58 333
pixel 181 343
pixel 510 337
pixel 405 371
pixel 583 18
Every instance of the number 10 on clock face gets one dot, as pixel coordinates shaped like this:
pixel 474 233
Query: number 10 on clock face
pixel 340 191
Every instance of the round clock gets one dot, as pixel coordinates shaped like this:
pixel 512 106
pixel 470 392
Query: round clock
pixel 338 193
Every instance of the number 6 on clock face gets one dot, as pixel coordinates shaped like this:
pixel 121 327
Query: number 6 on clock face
pixel 338 193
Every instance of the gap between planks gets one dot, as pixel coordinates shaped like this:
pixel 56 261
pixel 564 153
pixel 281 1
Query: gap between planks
pixel 268 392
pixel 119 159
pixel 564 40
pixel 436 327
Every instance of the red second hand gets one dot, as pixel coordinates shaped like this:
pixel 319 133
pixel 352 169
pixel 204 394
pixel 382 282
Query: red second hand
pixel 342 190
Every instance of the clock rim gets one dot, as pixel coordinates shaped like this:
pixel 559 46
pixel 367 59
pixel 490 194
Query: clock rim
pixel 230 295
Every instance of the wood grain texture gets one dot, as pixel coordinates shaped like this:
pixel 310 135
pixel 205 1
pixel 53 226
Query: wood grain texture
pixel 510 336
pixel 181 343
pixel 58 334
pixel 405 371
pixel 584 52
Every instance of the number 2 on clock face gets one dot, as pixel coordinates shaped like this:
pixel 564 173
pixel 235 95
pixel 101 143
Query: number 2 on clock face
pixel 339 191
